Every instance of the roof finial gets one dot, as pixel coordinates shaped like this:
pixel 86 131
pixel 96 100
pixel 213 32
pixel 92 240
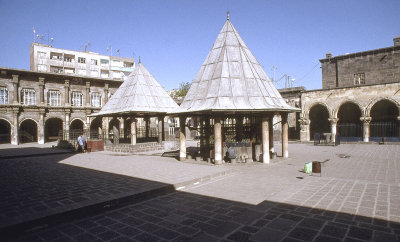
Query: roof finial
pixel 139 60
pixel 227 15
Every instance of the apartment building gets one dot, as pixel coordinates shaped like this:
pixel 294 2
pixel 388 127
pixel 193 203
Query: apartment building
pixel 45 58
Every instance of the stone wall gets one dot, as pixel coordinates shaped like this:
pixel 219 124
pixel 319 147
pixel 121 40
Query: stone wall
pixel 379 66
pixel 363 96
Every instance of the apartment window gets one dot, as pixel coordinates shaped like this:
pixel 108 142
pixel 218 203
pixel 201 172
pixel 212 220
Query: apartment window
pixel 95 99
pixel 104 62
pixel 104 74
pixel 67 59
pixel 76 98
pixel 359 79
pixel 3 95
pixel 41 67
pixel 28 96
pixel 69 71
pixel 128 64
pixel 56 69
pixel 81 60
pixel 93 62
pixel 81 72
pixel 94 73
pixel 41 55
pixel 54 98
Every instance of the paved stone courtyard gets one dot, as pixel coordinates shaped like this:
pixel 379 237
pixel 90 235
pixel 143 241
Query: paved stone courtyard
pixel 357 198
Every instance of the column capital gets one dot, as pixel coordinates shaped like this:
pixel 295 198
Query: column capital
pixel 42 111
pixel 15 78
pixel 41 81
pixel 67 111
pixel 333 120
pixel 15 110
pixel 304 121
pixel 365 119
pixel 87 84
pixel 106 86
pixel 398 118
pixel 66 83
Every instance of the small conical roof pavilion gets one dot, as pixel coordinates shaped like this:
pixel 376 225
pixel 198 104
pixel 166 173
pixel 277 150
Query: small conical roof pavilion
pixel 231 79
pixel 139 94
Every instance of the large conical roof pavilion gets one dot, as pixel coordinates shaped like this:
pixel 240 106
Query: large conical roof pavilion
pixel 231 79
pixel 139 94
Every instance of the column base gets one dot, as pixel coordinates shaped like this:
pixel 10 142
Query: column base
pixel 218 162
pixel 182 158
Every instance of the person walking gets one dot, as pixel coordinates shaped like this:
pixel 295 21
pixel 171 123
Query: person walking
pixel 80 144
pixel 84 139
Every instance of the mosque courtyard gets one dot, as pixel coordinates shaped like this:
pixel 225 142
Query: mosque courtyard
pixel 106 196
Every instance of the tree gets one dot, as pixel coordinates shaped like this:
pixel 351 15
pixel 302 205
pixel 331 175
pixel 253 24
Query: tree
pixel 183 89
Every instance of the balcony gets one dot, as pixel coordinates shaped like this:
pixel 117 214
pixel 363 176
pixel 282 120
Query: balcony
pixel 56 62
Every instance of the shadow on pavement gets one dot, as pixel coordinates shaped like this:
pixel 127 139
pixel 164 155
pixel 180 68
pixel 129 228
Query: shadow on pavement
pixel 45 200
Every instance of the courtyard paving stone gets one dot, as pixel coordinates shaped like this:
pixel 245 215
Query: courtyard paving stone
pixel 257 202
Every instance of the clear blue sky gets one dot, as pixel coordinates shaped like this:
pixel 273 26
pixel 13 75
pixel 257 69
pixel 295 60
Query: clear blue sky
pixel 174 37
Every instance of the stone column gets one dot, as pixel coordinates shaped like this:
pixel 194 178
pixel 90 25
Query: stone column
pixel 87 94
pixel 366 121
pixel 285 135
pixel 147 124
pixel 15 82
pixel 133 131
pixel 182 138
pixel 217 140
pixel 304 130
pixel 398 126
pixel 265 139
pixel 106 128
pixel 122 127
pixel 271 133
pixel 116 134
pixel 41 90
pixel 163 128
pixel 160 129
pixel 66 93
pixel 67 119
pixel 333 122
pixel 41 127
pixel 239 128
pixel 14 127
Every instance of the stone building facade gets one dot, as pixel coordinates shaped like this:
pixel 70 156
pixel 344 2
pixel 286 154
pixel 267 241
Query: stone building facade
pixel 360 99
pixel 362 68
pixel 35 106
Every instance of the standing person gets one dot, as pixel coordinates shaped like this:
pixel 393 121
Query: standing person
pixel 80 144
pixel 84 142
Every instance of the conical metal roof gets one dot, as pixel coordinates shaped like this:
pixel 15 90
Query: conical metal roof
pixel 231 79
pixel 139 94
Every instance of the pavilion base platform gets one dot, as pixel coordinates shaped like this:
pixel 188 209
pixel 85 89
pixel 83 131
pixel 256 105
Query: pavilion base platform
pixel 142 147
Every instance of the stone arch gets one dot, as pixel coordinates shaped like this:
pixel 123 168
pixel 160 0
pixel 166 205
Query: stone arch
pixel 384 123
pixel 96 128
pixel 113 129
pixel 346 101
pixel 76 128
pixel 349 125
pixel 28 130
pixel 376 100
pixel 52 127
pixel 77 120
pixel 319 123
pixel 318 103
pixel 5 131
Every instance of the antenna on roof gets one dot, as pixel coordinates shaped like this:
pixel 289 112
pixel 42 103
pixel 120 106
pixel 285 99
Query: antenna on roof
pixel 139 60
pixel 227 15
pixel 87 44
